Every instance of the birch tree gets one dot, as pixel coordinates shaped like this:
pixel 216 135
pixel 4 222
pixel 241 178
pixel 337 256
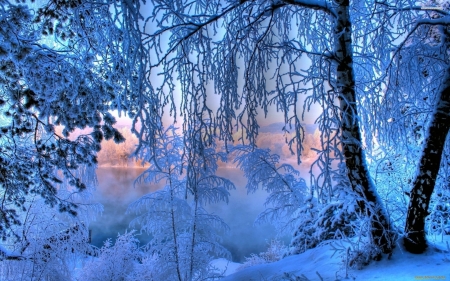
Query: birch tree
pixel 420 71
pixel 430 161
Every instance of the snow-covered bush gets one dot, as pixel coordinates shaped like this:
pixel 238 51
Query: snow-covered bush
pixel 307 234
pixel 326 223
pixel 355 252
pixel 253 260
pixel 274 253
pixel 359 258
pixel 50 244
pixel 115 262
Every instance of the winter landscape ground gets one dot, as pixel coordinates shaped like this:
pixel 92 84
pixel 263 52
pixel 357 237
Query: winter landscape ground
pixel 328 263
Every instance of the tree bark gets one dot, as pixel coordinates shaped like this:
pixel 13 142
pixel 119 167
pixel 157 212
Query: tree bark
pixel 357 171
pixel 414 239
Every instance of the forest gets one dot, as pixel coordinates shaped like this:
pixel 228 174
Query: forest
pixel 338 110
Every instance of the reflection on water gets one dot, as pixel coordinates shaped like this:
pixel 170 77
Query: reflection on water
pixel 116 192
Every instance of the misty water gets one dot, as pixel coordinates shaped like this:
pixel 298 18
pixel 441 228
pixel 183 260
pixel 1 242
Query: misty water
pixel 116 191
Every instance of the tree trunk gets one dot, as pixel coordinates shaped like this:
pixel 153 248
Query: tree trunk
pixel 414 239
pixel 358 174
pixel 174 226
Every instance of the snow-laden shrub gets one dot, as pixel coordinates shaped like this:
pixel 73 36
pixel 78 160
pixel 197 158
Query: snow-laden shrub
pixel 53 256
pixel 115 261
pixel 49 244
pixel 307 234
pixel 274 253
pixel 324 224
pixel 355 252
pixel 359 258
pixel 329 220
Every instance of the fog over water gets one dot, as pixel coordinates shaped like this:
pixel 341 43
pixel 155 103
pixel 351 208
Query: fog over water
pixel 116 192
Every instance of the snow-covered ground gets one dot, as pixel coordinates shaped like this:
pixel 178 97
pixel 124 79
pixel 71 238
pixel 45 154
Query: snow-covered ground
pixel 325 263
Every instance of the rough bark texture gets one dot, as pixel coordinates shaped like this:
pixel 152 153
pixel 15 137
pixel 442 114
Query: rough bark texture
pixel 358 173
pixel 414 239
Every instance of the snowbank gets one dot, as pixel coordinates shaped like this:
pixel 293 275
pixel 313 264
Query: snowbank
pixel 325 263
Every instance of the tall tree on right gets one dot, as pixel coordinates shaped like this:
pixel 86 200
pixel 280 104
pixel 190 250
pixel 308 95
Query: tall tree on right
pixel 413 108
pixel 427 51
pixel 428 170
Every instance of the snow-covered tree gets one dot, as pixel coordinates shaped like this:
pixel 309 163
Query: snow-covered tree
pixel 62 63
pixel 185 237
pixel 417 101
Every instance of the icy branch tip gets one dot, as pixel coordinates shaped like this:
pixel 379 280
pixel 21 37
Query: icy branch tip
pixel 432 8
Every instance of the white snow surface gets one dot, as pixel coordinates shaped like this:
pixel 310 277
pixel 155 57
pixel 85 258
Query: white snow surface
pixel 225 266
pixel 434 264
